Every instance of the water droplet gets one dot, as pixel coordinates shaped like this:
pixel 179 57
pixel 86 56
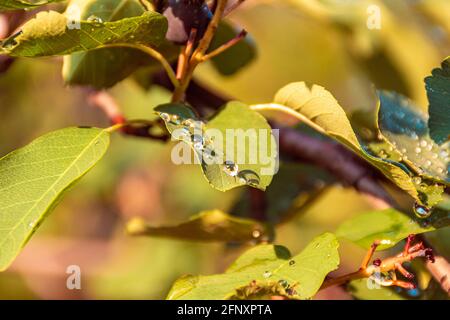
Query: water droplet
pixel 283 283
pixel 423 143
pixel 443 154
pixel 267 274
pixel 209 153
pixel 197 141
pixel 428 163
pixel 417 180
pixel 230 168
pixel 421 211
pixel 418 150
pixel 164 116
pixel 291 262
pixel 94 18
pixel 174 119
pixel 382 153
pixel 249 177
pixel 256 233
pixel 414 293
pixel 403 150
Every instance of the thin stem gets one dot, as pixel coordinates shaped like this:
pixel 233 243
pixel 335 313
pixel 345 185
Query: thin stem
pixel 289 111
pixel 200 51
pixel 185 54
pixel 154 54
pixel 360 274
pixel 369 255
pixel 147 5
pixel 233 7
pixel 225 46
pixel 210 31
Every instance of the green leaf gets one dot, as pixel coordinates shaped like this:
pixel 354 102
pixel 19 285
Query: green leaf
pixel 389 226
pixel 33 179
pixel 51 33
pixel 102 68
pixel 23 4
pixel 213 225
pixel 268 265
pixel 254 161
pixel 317 108
pixel 438 91
pixel 238 56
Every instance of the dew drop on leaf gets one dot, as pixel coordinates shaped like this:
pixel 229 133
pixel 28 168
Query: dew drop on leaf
pixel 164 116
pixel 421 211
pixel 283 283
pixel 230 168
pixel 417 180
pixel 197 141
pixel 267 274
pixel 256 234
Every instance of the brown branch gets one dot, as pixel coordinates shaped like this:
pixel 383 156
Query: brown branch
pixel 440 270
pixel 335 159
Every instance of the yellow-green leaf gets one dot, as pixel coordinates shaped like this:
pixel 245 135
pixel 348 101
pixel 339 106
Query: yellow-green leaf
pixel 51 33
pixel 317 108
pixel 213 225
pixel 268 265
pixel 33 179
pixel 23 4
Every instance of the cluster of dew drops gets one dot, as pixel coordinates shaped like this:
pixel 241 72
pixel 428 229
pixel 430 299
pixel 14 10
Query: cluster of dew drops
pixel 192 132
pixel 421 150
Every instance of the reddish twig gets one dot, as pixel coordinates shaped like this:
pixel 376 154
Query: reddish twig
pixel 106 103
pixel 388 267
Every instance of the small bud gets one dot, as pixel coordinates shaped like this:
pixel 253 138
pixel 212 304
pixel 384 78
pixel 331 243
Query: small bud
pixel 377 262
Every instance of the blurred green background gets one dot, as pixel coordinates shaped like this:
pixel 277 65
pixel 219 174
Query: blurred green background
pixel 295 42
